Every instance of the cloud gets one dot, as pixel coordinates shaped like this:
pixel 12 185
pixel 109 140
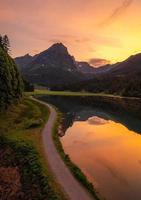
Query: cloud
pixel 56 40
pixel 66 36
pixel 74 38
pixel 81 40
pixel 96 62
pixel 97 121
pixel 117 12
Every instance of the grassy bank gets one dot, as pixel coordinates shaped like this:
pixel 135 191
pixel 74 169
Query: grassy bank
pixel 69 93
pixel 22 152
pixel 62 93
pixel 78 174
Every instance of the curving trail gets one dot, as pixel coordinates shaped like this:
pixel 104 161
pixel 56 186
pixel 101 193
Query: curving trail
pixel 70 185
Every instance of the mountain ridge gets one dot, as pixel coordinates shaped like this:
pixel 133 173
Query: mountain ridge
pixel 50 67
pixel 55 67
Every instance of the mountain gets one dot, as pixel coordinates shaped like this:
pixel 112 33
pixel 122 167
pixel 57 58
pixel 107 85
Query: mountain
pixel 132 65
pixel 103 69
pixel 52 67
pixel 23 61
pixel 56 56
pixel 58 70
pixel 122 78
pixel 85 68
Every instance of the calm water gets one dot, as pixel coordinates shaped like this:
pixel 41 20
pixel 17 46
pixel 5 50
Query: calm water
pixel 105 142
pixel 109 154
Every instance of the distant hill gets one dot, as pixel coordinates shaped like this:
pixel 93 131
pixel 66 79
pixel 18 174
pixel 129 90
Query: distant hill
pixel 130 66
pixel 122 78
pixel 10 80
pixel 85 68
pixel 23 61
pixel 54 66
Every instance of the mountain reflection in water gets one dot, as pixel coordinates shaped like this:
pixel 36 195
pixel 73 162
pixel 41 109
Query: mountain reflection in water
pixel 109 154
pixel 97 121
pixel 103 137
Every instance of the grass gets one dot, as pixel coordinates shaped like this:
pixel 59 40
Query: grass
pixel 78 174
pixel 69 93
pixel 21 129
pixel 64 93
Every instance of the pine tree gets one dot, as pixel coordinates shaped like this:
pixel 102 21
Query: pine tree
pixel 11 84
pixel 1 41
pixel 6 43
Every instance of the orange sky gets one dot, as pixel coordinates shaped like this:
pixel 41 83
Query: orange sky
pixel 107 29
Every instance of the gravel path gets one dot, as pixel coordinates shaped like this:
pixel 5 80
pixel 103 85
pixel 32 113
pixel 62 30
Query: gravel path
pixel 70 185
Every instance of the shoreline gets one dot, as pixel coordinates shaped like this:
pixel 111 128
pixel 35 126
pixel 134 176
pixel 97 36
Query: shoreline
pixel 73 169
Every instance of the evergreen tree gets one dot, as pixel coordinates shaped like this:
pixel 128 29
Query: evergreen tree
pixel 1 41
pixel 11 85
pixel 4 43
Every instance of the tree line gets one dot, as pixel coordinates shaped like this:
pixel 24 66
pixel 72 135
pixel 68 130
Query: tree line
pixel 11 84
pixel 129 85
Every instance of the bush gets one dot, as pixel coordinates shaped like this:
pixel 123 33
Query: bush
pixel 33 178
pixel 30 123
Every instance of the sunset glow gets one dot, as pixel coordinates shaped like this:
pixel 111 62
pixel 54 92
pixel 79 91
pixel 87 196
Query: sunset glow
pixel 107 152
pixel 106 29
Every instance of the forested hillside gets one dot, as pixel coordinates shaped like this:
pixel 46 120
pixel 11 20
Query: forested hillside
pixel 11 85
pixel 118 85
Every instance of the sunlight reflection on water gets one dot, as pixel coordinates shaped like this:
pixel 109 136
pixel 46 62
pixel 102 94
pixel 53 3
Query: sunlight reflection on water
pixel 109 154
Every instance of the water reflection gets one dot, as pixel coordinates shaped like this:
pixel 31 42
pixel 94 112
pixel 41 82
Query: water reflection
pixel 102 136
pixel 97 121
pixel 109 154
pixel 126 112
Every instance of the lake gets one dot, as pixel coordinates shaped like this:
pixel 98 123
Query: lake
pixel 102 137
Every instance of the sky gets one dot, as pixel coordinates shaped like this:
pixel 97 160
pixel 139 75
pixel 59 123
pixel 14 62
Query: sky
pixel 98 31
